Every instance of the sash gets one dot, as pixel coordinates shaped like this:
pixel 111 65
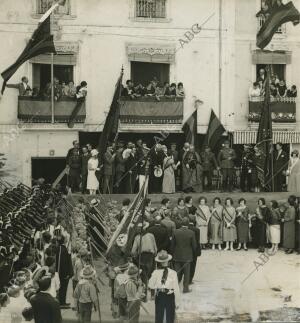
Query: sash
pixel 216 215
pixel 202 215
pixel 228 215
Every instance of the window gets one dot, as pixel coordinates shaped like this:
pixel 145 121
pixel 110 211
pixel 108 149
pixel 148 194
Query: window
pixel 276 69
pixel 44 5
pixel 151 8
pixel 142 73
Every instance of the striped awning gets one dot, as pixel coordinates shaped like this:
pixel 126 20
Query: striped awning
pixel 249 137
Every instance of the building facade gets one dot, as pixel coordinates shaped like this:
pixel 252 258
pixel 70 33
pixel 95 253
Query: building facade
pixel 207 45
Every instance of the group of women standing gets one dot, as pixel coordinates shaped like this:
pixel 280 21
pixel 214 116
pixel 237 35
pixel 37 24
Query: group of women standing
pixel 224 223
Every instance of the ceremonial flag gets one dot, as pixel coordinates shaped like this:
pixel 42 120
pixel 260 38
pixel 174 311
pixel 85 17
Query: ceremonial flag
pixel 40 42
pixel 110 128
pixel 190 129
pixel 127 227
pixel 264 142
pixel 214 132
pixel 279 16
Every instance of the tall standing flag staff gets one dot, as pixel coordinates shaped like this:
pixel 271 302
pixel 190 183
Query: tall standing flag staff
pixel 40 42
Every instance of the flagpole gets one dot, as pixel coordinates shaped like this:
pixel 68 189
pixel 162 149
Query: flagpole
pixel 52 74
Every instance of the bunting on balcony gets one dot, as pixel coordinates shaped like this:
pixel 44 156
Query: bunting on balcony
pixel 214 132
pixel 40 42
pixel 279 15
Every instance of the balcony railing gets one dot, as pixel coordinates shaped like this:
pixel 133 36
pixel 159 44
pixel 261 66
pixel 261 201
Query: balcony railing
pixel 283 110
pixel 44 5
pixel 151 8
pixel 280 30
pixel 147 110
pixel 36 110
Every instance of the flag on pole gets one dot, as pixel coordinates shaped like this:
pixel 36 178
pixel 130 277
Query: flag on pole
pixel 214 132
pixel 111 126
pixel 190 129
pixel 264 141
pixel 127 227
pixel 279 15
pixel 40 42
pixel 51 10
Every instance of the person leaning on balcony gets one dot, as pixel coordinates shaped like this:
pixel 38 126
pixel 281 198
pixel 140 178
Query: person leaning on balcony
pixel 282 89
pixel 292 92
pixel 23 87
pixel 180 90
pixel 254 91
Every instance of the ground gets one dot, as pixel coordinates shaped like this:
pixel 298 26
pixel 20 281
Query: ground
pixel 230 286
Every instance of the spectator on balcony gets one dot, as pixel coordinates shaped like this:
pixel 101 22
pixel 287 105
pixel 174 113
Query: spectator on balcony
pixel 265 10
pixel 274 79
pixel 180 90
pixel 261 77
pixel 151 88
pixel 282 89
pixel 129 90
pixel 23 87
pixel 35 92
pixel 273 90
pixel 57 89
pixel 171 90
pixel 71 89
pixel 254 91
pixel 292 92
pixel 81 91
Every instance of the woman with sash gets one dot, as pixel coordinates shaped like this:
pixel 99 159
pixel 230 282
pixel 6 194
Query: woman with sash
pixel 229 228
pixel 203 216
pixel 242 224
pixel 216 221
pixel 168 185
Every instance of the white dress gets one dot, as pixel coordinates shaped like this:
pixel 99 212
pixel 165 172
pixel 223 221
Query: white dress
pixel 92 181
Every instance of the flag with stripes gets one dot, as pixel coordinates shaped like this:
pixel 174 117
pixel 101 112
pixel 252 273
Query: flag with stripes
pixel 190 129
pixel 214 132
pixel 127 227
pixel 40 42
pixel 280 15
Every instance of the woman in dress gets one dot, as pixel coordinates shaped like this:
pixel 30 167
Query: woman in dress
pixel 274 226
pixel 168 185
pixel 92 181
pixel 289 226
pixel 179 212
pixel 242 224
pixel 294 173
pixel 229 228
pixel 203 216
pixel 215 223
pixel 263 213
pixel 189 205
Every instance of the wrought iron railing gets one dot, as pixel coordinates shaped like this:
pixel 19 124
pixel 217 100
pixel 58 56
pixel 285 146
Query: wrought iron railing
pixel 151 8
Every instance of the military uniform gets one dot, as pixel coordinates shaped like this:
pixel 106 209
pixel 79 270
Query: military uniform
pixel 226 159
pixel 209 163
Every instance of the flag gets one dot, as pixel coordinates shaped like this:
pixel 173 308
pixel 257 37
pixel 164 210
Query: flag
pixel 127 227
pixel 278 16
pixel 190 129
pixel 110 128
pixel 264 141
pixel 41 42
pixel 50 10
pixel 214 132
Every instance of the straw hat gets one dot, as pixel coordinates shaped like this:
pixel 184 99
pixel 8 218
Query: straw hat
pixel 163 256
pixel 95 202
pixel 88 272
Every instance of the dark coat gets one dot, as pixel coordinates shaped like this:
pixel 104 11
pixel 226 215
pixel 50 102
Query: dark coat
pixel 120 162
pixel 280 162
pixel 108 163
pixel 184 245
pixel 197 237
pixel 84 164
pixel 63 263
pixel 45 309
pixel 161 236
pixel 22 90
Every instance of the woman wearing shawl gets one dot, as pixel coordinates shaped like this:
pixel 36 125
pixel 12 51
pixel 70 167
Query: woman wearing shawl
pixel 242 215
pixel 229 228
pixel 294 173
pixel 216 223
pixel 203 216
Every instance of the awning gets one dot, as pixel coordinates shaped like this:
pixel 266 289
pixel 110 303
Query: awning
pixel 151 53
pixel 249 137
pixel 268 57
pixel 60 59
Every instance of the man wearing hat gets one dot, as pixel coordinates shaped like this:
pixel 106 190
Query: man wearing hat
pixel 164 283
pixel 226 158
pixel 209 163
pixel 80 261
pixel 247 167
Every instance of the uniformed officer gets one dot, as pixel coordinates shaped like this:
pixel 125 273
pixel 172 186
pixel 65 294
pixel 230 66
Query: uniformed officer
pixel 226 159
pixel 209 163
pixel 247 167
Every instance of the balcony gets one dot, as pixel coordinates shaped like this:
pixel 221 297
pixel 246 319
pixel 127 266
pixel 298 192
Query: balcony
pixel 148 110
pixel 151 9
pixel 36 110
pixel 283 110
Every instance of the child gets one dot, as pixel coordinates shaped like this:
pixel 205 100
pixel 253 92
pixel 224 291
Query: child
pixel 85 294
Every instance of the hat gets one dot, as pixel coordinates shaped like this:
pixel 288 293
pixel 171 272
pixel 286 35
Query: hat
pixel 133 270
pixel 88 272
pixel 95 202
pixel 94 152
pixel 145 225
pixel 122 240
pixel 163 256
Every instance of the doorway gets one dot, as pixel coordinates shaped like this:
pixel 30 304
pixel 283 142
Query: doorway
pixel 48 168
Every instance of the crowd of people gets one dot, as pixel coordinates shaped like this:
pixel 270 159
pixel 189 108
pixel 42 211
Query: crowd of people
pixel 278 87
pixel 122 170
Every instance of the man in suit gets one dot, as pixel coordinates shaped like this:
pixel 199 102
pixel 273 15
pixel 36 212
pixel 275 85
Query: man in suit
pixel 247 167
pixel 184 248
pixel 23 87
pixel 84 168
pixel 156 162
pixel 120 164
pixel 160 233
pixel 45 308
pixel 226 160
pixel 209 163
pixel 280 166
pixel 192 226
pixel 109 158
pixel 73 160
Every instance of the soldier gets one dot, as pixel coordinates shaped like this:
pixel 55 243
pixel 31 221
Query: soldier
pixel 226 159
pixel 247 167
pixel 209 163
